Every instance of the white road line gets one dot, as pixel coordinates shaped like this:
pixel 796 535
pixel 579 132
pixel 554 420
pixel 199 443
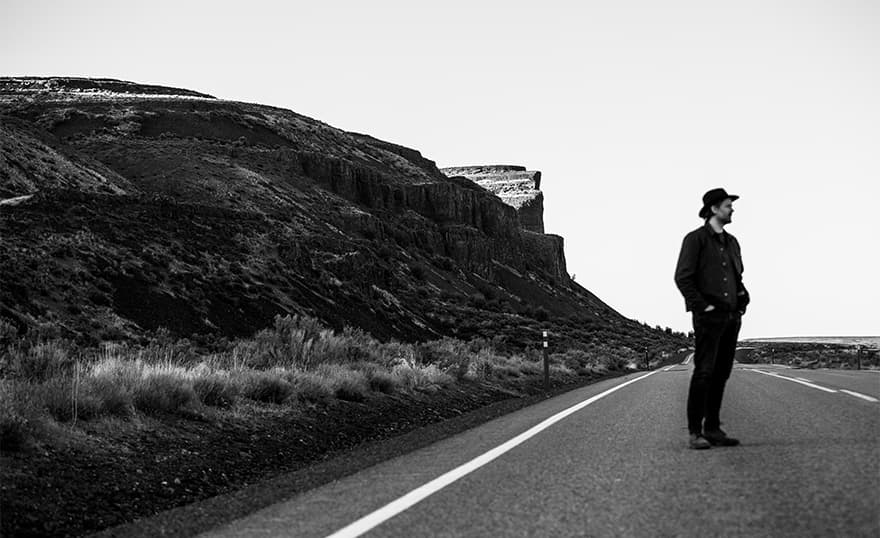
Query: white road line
pixel 802 379
pixel 792 379
pixel 668 368
pixel 397 506
pixel 860 395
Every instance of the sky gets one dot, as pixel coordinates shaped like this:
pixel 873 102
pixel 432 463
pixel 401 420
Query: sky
pixel 631 110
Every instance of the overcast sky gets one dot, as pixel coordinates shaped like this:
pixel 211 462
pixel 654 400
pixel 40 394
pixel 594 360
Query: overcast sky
pixel 632 110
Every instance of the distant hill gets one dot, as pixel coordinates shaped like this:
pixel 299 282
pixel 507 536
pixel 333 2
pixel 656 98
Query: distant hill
pixel 133 208
pixel 869 341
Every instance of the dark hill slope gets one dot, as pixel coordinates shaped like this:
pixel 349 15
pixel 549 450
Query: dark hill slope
pixel 156 207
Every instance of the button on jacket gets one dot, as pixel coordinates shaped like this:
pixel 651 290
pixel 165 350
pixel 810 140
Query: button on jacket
pixel 709 271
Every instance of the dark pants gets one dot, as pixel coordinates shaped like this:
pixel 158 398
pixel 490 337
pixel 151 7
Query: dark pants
pixel 715 334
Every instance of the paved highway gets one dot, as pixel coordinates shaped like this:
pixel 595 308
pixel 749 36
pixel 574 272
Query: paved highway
pixel 611 459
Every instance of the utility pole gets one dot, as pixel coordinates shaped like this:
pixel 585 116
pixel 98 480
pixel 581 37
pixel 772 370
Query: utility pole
pixel 546 364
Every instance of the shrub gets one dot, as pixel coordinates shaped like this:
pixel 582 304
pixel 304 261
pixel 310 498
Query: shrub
pixel 381 382
pixel 542 314
pixel 450 354
pixel 104 396
pixel 264 386
pixel 302 342
pixel 506 369
pixel 444 262
pixel 478 302
pixel 311 387
pixel 56 396
pixel 532 367
pixel 378 379
pixel 418 271
pixel 415 377
pixel 42 361
pixel 19 415
pixel 347 384
pixel 488 291
pixel 8 331
pixel 385 252
pixel 118 385
pixel 561 370
pixel 215 389
pixel 516 366
pixel 163 392
pixel 480 367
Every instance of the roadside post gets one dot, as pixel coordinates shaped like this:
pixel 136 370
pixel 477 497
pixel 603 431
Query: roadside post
pixel 858 357
pixel 546 364
pixel 647 362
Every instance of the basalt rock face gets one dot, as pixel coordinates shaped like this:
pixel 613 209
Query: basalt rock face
pixel 126 208
pixel 516 186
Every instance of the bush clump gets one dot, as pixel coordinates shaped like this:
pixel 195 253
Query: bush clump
pixel 163 392
pixel 215 389
pixel 265 386
pixel 311 387
pixel 420 377
pixel 19 415
pixel 348 384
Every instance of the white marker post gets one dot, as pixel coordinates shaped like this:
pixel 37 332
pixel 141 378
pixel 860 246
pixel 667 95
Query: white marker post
pixel 546 364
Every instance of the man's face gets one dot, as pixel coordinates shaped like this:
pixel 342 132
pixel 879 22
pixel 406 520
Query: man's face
pixel 724 211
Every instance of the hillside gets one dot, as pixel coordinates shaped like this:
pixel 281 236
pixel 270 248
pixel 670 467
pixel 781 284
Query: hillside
pixel 197 295
pixel 133 208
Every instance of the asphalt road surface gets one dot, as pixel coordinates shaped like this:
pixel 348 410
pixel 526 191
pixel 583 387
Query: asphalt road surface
pixel 611 459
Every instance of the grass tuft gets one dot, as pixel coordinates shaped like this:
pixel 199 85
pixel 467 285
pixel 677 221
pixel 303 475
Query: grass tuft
pixel 19 416
pixel 347 384
pixel 265 386
pixel 216 389
pixel 163 392
pixel 312 387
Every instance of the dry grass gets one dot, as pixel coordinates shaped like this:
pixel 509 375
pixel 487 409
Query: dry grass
pixel 295 361
pixel 264 386
pixel 420 377
pixel 216 389
pixel 20 415
pixel 347 384
pixel 311 387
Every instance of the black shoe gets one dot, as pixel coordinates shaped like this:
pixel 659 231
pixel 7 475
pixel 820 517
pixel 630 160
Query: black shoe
pixel 719 438
pixel 699 442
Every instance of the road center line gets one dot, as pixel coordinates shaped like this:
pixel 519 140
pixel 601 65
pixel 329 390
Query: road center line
pixel 860 395
pixel 397 506
pixel 792 379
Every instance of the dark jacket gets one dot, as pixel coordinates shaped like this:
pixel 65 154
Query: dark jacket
pixel 709 271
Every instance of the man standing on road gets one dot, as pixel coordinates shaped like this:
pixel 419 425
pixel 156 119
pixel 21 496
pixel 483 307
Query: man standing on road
pixel 709 276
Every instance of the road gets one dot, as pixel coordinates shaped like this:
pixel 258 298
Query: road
pixel 617 464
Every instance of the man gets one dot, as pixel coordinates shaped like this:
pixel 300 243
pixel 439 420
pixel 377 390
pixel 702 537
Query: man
pixel 709 276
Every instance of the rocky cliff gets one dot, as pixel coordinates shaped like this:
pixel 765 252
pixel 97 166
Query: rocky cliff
pixel 156 208
pixel 516 186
